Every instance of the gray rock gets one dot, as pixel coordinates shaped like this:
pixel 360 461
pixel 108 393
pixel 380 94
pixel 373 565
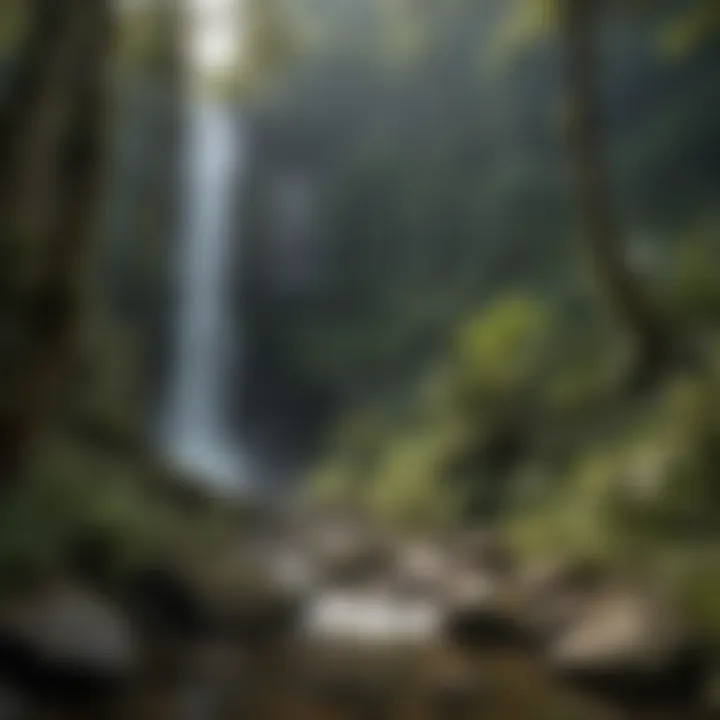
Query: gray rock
pixel 352 557
pixel 68 642
pixel 619 628
pixel 552 595
pixel 12 706
pixel 253 602
pixel 422 569
pixel 480 608
pixel 374 618
pixel 629 642
pixel 484 551
pixel 67 624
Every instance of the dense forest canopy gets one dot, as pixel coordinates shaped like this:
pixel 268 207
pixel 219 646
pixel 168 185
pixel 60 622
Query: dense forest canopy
pixel 452 143
pixel 423 147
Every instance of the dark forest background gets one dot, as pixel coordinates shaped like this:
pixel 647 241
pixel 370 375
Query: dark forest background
pixel 477 270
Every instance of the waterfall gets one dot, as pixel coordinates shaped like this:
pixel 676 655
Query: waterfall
pixel 199 436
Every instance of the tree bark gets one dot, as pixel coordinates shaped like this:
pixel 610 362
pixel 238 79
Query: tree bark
pixel 74 160
pixel 648 334
pixel 35 113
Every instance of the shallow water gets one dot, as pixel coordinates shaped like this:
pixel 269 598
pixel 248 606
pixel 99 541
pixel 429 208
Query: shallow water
pixel 323 676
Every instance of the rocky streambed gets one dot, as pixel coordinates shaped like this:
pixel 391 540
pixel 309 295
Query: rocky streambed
pixel 335 621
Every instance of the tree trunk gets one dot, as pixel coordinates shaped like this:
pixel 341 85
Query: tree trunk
pixel 33 120
pixel 73 161
pixel 647 333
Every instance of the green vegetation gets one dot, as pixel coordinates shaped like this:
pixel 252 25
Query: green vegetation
pixel 91 480
pixel 440 312
pixel 526 429
pixel 77 467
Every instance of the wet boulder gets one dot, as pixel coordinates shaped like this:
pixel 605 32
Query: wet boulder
pixel 630 644
pixel 480 608
pixel 375 617
pixel 352 557
pixel 256 606
pixel 12 705
pixel 421 569
pixel 284 561
pixel 66 644
pixel 551 594
pixel 264 616
pixel 478 592
pixel 484 551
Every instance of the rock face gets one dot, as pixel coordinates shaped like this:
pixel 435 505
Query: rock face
pixel 66 643
pixel 629 643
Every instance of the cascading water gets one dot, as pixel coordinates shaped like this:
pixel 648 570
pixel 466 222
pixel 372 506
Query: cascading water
pixel 198 434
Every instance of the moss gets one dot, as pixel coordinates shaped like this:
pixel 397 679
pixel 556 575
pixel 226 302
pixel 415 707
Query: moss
pixel 626 479
pixel 697 585
pixel 499 352
pixel 77 497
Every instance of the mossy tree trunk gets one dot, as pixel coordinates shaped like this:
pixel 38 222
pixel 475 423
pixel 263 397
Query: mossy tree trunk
pixel 647 332
pixel 50 186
